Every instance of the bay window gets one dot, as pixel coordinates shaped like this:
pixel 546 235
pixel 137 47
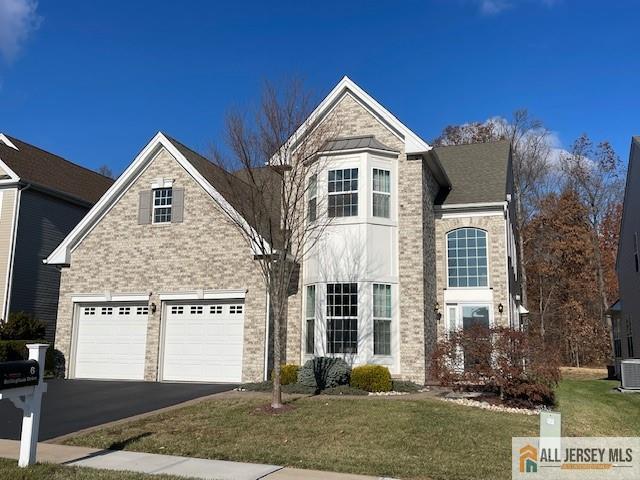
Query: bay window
pixel 381 319
pixel 309 348
pixel 343 193
pixel 312 202
pixel 342 318
pixel 381 193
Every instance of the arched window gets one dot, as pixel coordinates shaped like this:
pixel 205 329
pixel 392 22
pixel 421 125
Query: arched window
pixel 467 257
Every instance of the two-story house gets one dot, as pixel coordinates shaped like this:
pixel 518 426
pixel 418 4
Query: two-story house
pixel 157 284
pixel 42 197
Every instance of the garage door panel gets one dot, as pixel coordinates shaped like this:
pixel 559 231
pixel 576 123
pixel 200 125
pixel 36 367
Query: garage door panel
pixel 203 342
pixel 111 342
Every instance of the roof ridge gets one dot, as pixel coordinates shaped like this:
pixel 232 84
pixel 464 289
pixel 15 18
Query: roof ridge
pixel 490 142
pixel 14 139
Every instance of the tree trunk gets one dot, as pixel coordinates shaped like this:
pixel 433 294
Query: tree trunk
pixel 604 304
pixel 541 308
pixel 276 397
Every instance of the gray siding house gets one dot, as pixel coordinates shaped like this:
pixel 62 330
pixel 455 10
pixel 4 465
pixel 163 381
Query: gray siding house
pixel 42 196
pixel 626 311
pixel 158 285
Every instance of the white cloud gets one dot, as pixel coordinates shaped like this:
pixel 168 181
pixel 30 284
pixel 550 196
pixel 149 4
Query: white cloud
pixel 18 18
pixel 494 7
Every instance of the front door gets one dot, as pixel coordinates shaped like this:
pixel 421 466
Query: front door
pixel 463 317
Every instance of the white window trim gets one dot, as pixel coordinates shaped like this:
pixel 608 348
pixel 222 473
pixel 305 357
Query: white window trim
pixel 156 207
pixel 373 323
pixel 162 183
pixel 108 297
pixel 312 197
pixel 446 261
pixel 307 318
pixel 380 192
pixel 344 192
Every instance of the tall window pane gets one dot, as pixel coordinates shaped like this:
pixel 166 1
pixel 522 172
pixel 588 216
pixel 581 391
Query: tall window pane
pixel 343 193
pixel 311 320
pixel 381 193
pixel 342 318
pixel 381 319
pixel 162 200
pixel 313 198
pixel 467 258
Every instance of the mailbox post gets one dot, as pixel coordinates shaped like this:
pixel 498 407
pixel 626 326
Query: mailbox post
pixel 22 389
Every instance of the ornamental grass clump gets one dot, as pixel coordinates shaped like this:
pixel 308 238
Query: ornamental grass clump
pixel 324 372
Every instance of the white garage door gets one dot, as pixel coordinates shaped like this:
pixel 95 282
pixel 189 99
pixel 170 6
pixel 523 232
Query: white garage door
pixel 111 341
pixel 203 342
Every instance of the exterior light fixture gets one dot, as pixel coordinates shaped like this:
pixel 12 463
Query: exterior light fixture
pixel 500 308
pixel 153 308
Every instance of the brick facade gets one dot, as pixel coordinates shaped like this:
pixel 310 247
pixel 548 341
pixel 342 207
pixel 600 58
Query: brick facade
pixel 498 279
pixel 204 252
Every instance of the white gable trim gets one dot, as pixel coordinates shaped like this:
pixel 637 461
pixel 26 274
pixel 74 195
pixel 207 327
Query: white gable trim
pixel 4 139
pixel 62 254
pixel 413 143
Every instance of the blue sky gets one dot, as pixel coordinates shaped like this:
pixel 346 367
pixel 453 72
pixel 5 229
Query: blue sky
pixel 94 80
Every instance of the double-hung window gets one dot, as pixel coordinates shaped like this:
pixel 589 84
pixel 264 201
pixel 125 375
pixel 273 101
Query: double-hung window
pixel 342 318
pixel 343 193
pixel 629 338
pixel 162 200
pixel 381 193
pixel 381 319
pixel 312 202
pixel 309 344
pixel 467 258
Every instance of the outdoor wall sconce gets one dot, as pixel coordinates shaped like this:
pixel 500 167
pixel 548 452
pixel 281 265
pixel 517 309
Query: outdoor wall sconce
pixel 500 308
pixel 436 307
pixel 153 307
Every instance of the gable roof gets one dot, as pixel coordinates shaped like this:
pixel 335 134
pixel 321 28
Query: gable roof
pixel 413 143
pixel 33 165
pixel 235 201
pixel 479 172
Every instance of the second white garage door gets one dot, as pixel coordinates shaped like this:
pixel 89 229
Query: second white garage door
pixel 203 342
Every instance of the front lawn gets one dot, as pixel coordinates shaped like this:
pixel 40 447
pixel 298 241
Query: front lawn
pixel 405 438
pixel 9 470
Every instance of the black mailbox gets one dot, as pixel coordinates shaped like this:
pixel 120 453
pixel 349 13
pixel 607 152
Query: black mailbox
pixel 21 373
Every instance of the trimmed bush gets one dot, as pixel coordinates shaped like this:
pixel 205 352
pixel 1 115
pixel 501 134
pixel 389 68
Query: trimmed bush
pixel 344 390
pixel 298 388
pixel 324 372
pixel 371 378
pixel 11 350
pixel 258 386
pixel 21 326
pixel 405 386
pixel 288 374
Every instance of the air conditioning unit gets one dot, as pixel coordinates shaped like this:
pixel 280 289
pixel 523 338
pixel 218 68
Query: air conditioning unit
pixel 630 374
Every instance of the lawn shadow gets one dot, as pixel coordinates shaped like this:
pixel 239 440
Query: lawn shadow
pixel 121 445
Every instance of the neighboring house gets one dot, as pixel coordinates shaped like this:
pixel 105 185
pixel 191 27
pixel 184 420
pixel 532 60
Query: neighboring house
pixel 42 197
pixel 626 311
pixel 158 285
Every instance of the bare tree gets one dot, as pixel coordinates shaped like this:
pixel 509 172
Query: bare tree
pixel 594 172
pixel 274 191
pixel 106 171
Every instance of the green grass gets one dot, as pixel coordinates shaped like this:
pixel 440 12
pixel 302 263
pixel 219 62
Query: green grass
pixel 9 470
pixel 418 439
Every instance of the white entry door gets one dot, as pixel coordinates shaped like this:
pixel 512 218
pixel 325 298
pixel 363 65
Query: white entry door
pixel 111 341
pixel 203 342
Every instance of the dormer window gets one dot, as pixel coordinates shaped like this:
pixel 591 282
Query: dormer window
pixel 162 201
pixel 343 193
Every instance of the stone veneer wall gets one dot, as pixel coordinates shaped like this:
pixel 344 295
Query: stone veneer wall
pixel 203 252
pixel 498 278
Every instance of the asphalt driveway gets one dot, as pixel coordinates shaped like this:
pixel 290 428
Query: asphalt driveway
pixel 72 405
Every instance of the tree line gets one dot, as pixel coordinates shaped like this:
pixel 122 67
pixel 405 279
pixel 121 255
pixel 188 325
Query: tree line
pixel 568 211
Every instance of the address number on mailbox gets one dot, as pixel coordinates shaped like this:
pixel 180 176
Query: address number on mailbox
pixel 21 373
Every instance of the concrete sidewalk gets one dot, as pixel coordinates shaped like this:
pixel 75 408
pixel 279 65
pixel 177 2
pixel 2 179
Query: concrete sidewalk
pixel 168 464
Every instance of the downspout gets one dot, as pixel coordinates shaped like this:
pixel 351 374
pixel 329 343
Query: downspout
pixel 507 224
pixel 14 234
pixel 266 336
